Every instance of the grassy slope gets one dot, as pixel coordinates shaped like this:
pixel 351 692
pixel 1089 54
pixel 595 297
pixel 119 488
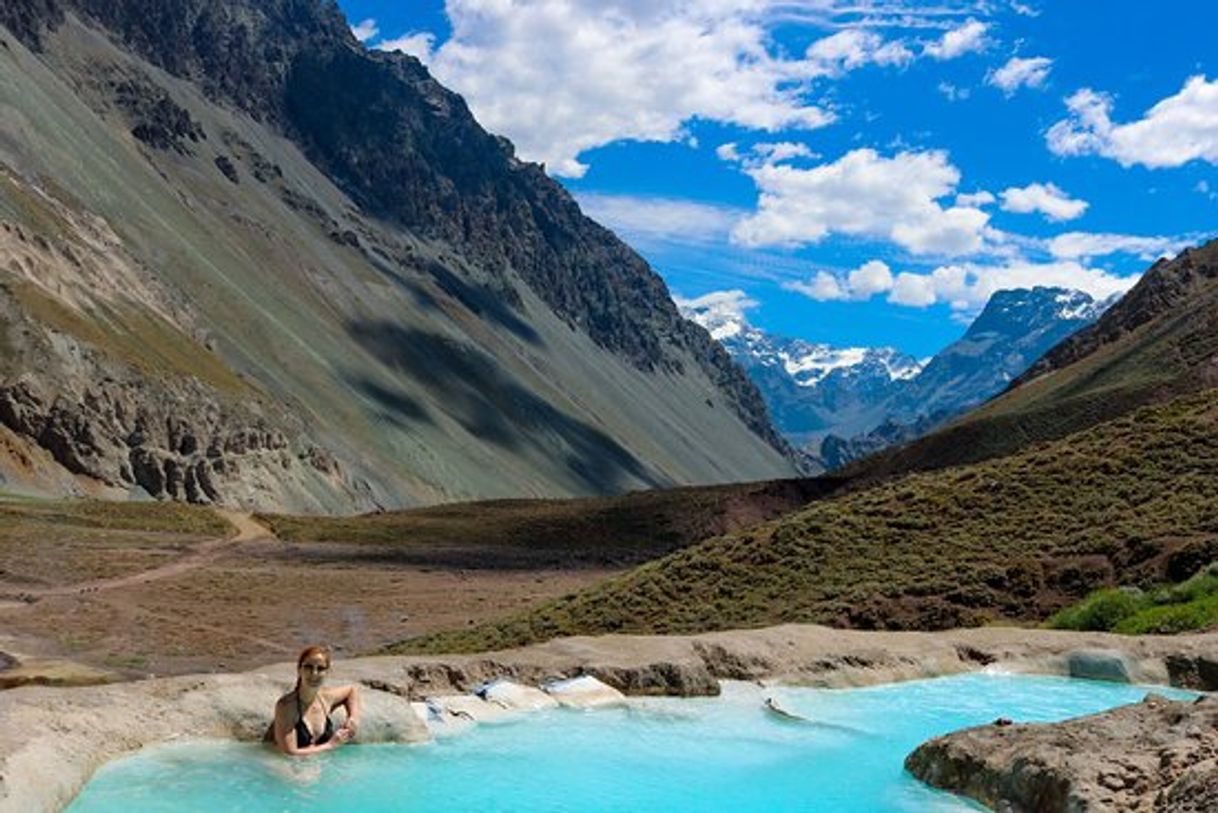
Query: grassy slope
pixel 113 516
pixel 1013 539
pixel 595 532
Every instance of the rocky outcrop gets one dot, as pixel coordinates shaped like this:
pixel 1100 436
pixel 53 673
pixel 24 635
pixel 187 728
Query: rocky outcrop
pixel 175 443
pixel 1158 755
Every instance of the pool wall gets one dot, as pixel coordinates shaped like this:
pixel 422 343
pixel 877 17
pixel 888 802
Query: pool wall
pixel 53 739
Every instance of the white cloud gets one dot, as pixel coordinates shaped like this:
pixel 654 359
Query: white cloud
pixel 1019 72
pixel 365 30
pixel 1176 130
pixel 637 70
pixel 1024 9
pixel 862 283
pixel 853 48
pixel 763 153
pixel 782 151
pixel 823 287
pixel 954 93
pixel 1077 244
pixel 957 42
pixel 975 199
pixel 728 152
pixel 660 218
pixel 420 44
pixel 968 286
pixel 863 194
pixel 965 287
pixel 722 313
pixel 560 77
pixel 1047 199
pixel 871 278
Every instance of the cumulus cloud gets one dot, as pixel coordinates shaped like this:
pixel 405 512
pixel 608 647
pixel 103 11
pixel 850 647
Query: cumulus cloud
pixel 981 198
pixel 1019 72
pixel 867 195
pixel 365 30
pixel 419 44
pixel 1176 130
pixel 862 283
pixel 965 287
pixel 634 71
pixel 853 48
pixel 1047 199
pixel 968 286
pixel 823 287
pixel 660 218
pixel 957 42
pixel 643 70
pixel 1077 244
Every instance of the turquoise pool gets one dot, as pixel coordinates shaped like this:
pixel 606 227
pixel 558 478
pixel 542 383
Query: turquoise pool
pixel 679 756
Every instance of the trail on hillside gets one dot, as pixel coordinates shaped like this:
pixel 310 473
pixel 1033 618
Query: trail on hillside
pixel 247 529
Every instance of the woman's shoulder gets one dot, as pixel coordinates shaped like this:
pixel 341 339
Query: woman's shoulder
pixel 285 700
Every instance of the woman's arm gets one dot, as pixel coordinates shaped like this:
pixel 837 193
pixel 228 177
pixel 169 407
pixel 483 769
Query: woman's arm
pixel 348 698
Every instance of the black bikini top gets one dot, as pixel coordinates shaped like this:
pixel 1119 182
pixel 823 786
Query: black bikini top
pixel 304 737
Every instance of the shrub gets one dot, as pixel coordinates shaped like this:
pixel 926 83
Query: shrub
pixel 1101 611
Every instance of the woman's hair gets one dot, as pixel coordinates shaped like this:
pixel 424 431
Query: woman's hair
pixel 309 652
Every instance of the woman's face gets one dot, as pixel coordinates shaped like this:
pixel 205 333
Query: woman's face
pixel 313 670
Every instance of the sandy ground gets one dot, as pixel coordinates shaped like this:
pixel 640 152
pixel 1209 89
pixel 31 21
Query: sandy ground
pixel 140 604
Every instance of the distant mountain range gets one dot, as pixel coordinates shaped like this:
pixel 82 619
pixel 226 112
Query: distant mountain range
pixel 843 403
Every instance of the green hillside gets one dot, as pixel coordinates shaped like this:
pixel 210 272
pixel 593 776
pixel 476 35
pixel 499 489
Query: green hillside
pixel 1012 539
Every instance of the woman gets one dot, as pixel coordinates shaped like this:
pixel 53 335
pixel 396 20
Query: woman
pixel 302 716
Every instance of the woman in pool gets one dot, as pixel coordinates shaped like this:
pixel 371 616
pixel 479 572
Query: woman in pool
pixel 302 716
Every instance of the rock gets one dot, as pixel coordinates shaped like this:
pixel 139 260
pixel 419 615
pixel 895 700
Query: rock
pixel 1107 665
pixel 1156 755
pixel 583 692
pixel 515 696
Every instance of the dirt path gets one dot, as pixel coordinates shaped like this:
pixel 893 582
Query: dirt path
pixel 248 529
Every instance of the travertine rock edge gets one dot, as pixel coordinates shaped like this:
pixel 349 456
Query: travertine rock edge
pixel 53 739
pixel 1158 755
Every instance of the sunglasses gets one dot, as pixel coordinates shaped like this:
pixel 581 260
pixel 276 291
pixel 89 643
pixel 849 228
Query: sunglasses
pixel 314 667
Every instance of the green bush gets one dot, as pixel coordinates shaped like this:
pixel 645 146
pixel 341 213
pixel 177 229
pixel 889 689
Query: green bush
pixel 1101 611
pixel 1172 618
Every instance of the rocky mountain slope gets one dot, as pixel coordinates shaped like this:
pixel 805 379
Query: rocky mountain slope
pixel 1011 333
pixel 846 403
pixel 244 260
pixel 1156 343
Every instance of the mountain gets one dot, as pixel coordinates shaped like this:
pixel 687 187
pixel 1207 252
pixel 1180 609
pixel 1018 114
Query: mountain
pixel 244 260
pixel 1156 343
pixel 846 403
pixel 810 389
pixel 1012 332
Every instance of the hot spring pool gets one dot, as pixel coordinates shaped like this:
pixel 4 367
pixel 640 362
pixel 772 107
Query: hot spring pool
pixel 721 754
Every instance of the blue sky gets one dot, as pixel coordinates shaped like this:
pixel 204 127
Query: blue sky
pixel 857 173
